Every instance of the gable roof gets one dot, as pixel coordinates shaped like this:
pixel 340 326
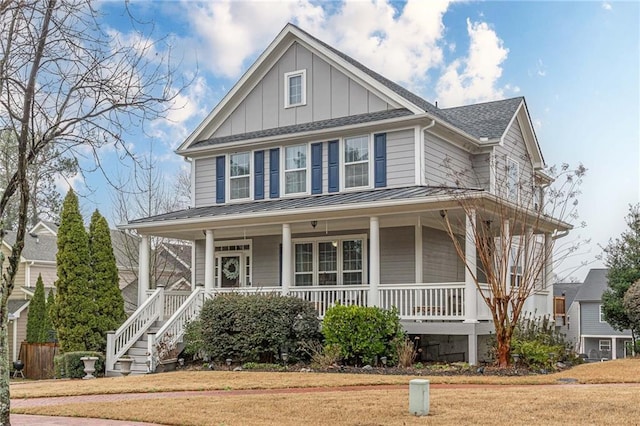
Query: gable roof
pixel 594 285
pixel 567 290
pixel 45 226
pixel 15 306
pixel 180 252
pixel 489 120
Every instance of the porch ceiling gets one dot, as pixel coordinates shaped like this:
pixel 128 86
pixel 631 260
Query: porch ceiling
pixel 332 212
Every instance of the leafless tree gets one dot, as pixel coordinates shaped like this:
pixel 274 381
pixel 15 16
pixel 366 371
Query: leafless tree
pixel 508 231
pixel 65 82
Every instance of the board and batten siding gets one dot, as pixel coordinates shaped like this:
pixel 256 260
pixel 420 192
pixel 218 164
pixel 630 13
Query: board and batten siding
pixel 440 262
pixel 514 148
pixel 447 164
pixel 330 94
pixel 397 260
pixel 401 154
pixel 205 181
pixel 590 321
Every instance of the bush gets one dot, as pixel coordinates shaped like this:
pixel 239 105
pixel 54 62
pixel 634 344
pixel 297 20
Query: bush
pixel 70 366
pixel 253 328
pixel 363 333
pixel 406 353
pixel 323 356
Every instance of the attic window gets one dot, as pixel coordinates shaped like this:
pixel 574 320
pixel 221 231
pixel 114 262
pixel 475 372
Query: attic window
pixel 295 88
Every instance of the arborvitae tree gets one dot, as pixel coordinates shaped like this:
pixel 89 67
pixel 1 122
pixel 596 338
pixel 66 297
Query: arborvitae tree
pixel 36 319
pixel 48 325
pixel 74 312
pixel 109 301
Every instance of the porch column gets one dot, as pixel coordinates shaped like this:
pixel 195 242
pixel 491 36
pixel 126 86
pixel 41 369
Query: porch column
pixel 473 348
pixel 143 269
pixel 374 259
pixel 418 250
pixel 529 253
pixel 209 261
pixel 548 271
pixel 614 348
pixel 287 258
pixel 470 290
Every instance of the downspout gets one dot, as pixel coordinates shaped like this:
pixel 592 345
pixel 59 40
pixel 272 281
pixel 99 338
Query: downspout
pixel 423 180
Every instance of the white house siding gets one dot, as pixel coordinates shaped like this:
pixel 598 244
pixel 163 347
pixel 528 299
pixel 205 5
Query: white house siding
pixel 401 158
pixel 330 94
pixel 514 148
pixel 205 181
pixel 440 262
pixel 266 261
pixel 397 260
pixel 446 164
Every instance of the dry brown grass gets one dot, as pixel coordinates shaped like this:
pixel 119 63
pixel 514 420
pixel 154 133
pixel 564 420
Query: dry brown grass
pixel 548 405
pixel 621 371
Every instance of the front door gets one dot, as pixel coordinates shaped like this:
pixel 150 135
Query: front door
pixel 230 271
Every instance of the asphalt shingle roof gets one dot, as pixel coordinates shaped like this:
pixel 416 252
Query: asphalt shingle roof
pixel 14 305
pixel 568 290
pixel 306 127
pixel 594 285
pixel 489 119
pixel 311 201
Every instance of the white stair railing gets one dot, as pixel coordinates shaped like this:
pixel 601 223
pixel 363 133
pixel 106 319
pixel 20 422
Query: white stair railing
pixel 170 334
pixel 119 342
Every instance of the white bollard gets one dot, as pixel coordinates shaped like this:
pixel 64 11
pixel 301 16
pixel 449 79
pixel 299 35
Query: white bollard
pixel 419 397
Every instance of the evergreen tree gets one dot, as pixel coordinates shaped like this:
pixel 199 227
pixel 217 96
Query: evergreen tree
pixel 74 311
pixel 48 325
pixel 622 257
pixel 36 319
pixel 109 301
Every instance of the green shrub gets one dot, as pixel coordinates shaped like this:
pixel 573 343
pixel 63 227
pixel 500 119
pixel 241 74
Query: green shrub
pixel 263 366
pixel 253 328
pixel 363 333
pixel 70 366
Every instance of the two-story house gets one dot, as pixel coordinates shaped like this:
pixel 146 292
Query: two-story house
pixel 592 335
pixel 319 178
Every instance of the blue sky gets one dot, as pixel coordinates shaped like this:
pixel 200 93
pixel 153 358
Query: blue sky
pixel 576 63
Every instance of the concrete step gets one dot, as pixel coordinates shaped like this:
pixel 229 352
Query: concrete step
pixel 137 352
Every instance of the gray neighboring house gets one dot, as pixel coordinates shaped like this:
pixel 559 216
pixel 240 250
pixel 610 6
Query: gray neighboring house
pixel 594 336
pixel 564 295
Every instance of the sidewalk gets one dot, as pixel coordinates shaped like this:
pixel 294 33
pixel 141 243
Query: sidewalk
pixel 29 420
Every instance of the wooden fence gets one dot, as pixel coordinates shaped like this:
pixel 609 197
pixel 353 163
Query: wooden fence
pixel 38 359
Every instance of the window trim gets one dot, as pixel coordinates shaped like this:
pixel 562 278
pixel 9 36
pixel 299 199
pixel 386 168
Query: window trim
pixel 247 280
pixel 510 161
pixel 601 314
pixel 343 164
pixel 283 173
pixel 228 177
pixel 602 347
pixel 339 256
pixel 303 98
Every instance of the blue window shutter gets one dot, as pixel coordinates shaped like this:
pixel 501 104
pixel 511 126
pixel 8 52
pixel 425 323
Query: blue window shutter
pixel 316 168
pixel 220 181
pixel 334 160
pixel 258 167
pixel 274 173
pixel 380 159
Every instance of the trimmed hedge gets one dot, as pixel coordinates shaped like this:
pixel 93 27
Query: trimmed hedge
pixel 70 366
pixel 253 328
pixel 363 333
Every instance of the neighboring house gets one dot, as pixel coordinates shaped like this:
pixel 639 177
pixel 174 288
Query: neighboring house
pixel 593 335
pixel 563 308
pixel 319 178
pixel 39 258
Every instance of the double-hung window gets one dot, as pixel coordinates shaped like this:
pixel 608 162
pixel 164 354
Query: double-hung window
pixel 516 261
pixel 295 88
pixel 356 162
pixel 601 313
pixel 295 169
pixel 513 180
pixel 337 261
pixel 604 345
pixel 240 176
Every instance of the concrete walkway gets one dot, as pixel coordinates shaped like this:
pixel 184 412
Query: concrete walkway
pixel 29 420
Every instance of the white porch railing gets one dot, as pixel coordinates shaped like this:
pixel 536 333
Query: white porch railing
pixel 437 301
pixel 173 299
pixel 134 327
pixel 173 329
pixel 323 297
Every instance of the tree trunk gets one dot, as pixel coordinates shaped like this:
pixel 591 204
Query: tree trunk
pixel 5 405
pixel 503 351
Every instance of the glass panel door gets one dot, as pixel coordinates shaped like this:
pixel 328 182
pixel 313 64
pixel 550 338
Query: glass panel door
pixel 230 271
pixel 328 263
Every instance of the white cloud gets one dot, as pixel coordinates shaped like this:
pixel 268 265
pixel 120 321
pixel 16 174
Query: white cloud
pixel 372 32
pixel 607 6
pixel 474 78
